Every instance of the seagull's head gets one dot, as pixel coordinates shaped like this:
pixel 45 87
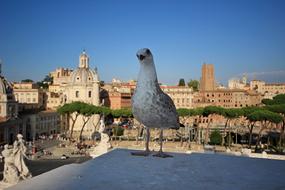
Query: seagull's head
pixel 144 55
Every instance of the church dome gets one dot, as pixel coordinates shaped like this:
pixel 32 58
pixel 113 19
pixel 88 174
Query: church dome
pixel 83 74
pixel 5 86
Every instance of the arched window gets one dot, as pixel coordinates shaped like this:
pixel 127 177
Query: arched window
pixel 89 94
pixel 77 94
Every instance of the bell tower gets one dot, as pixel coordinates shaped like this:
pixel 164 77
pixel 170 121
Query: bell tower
pixel 83 60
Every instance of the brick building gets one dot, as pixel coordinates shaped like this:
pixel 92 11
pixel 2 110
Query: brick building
pixel 227 98
pixel 207 82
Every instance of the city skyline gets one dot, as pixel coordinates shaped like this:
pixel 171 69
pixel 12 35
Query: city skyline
pixel 237 37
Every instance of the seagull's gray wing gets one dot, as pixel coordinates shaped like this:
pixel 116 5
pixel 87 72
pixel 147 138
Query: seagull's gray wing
pixel 164 110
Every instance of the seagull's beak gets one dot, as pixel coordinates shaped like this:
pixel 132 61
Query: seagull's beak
pixel 140 57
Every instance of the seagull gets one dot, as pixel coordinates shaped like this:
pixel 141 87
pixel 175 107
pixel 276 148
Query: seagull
pixel 150 105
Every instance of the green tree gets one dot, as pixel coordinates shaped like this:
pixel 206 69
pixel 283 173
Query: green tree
pixel 246 111
pixel 189 112
pixel 118 131
pixel 277 100
pixel 194 84
pixel 211 110
pixel 230 114
pixel 87 110
pixel 265 118
pixel 124 112
pixel 72 111
pixel 45 82
pixel 266 101
pixel 185 113
pixel 280 109
pixel 181 82
pixel 102 111
pixel 43 85
pixel 216 137
pixel 48 79
pixel 27 80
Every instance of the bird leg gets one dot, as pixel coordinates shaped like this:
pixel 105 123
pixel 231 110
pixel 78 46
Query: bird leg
pixel 146 152
pixel 160 153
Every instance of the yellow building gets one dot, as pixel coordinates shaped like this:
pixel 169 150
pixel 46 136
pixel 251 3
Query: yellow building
pixel 60 76
pixel 29 96
pixel 54 100
pixel 182 96
pixel 269 90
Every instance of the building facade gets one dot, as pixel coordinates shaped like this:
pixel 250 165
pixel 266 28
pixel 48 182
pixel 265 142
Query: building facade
pixel 29 96
pixel 227 98
pixel 236 83
pixel 10 122
pixel 41 123
pixel 118 94
pixel 269 90
pixel 182 96
pixel 54 100
pixel 60 76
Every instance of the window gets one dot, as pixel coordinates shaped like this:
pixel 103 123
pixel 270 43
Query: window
pixel 77 94
pixel 89 94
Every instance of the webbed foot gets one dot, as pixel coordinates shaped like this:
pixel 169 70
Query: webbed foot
pixel 141 153
pixel 162 155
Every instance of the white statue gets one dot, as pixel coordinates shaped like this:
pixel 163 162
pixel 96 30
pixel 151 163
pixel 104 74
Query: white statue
pixel 104 144
pixel 105 139
pixel 10 172
pixel 15 168
pixel 19 151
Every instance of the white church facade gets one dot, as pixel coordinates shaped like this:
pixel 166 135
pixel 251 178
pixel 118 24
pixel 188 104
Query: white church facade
pixel 81 84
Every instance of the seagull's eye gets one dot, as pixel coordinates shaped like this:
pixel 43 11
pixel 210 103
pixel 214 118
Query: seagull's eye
pixel 147 51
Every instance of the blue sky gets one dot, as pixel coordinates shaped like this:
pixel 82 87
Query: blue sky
pixel 237 36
